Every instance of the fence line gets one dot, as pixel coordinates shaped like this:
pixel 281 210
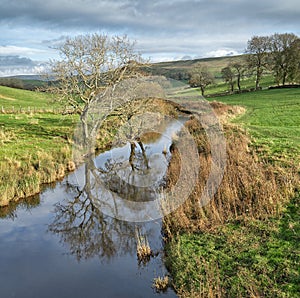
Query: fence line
pixel 31 110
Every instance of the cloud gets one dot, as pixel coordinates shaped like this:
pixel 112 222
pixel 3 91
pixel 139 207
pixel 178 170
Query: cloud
pixel 157 15
pixel 15 50
pixel 222 53
pixel 16 65
pixel 163 29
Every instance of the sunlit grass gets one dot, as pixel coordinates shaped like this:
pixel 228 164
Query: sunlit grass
pixel 250 255
pixel 273 120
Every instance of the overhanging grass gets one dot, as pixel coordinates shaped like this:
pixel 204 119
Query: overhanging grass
pixel 34 150
pixel 34 147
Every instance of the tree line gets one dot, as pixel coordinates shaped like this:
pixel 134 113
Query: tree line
pixel 278 54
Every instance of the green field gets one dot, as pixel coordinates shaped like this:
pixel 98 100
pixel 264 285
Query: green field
pixel 18 98
pixel 240 258
pixel 35 146
pixel 249 257
pixel 272 118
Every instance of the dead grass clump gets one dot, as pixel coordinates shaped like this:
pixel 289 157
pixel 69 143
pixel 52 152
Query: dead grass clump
pixel 150 137
pixel 143 250
pixel 161 284
pixel 250 188
pixel 6 136
pixel 226 112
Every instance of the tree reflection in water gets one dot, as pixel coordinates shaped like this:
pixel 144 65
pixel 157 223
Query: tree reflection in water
pixel 133 176
pixel 80 222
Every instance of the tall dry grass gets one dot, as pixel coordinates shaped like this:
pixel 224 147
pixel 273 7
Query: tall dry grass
pixel 251 188
pixel 23 178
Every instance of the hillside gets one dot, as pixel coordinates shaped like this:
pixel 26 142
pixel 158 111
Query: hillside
pixel 12 99
pixel 179 69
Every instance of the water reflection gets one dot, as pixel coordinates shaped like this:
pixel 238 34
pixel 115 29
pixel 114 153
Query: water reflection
pixel 87 231
pixel 133 173
pixel 10 211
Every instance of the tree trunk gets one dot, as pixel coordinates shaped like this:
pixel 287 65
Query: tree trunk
pixel 202 90
pixel 84 124
pixel 284 77
pixel 144 153
pixel 239 82
pixel 132 154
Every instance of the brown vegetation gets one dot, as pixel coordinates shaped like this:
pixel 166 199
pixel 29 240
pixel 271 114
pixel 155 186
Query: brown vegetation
pixel 161 283
pixel 250 187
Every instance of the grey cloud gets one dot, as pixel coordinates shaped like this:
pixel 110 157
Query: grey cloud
pixel 15 61
pixel 15 65
pixel 160 16
pixel 173 28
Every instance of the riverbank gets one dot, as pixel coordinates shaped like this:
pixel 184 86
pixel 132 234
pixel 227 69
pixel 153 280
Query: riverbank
pixel 244 242
pixel 36 147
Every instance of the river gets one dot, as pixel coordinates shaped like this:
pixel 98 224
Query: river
pixel 60 244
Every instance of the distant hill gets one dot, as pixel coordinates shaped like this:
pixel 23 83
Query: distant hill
pixel 28 77
pixel 27 82
pixel 177 70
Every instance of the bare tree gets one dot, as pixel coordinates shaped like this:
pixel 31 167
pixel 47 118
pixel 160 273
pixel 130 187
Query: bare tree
pixel 89 67
pixel 228 76
pixel 284 56
pixel 200 77
pixel 258 58
pixel 239 68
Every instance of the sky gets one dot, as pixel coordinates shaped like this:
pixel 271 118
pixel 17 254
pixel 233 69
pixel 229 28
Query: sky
pixel 164 30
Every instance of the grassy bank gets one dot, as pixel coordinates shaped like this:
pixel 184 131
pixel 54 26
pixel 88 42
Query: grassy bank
pixel 245 242
pixel 34 140
pixel 36 146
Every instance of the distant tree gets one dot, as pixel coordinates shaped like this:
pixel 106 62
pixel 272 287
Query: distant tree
pixel 12 83
pixel 228 76
pixel 285 55
pixel 258 58
pixel 294 71
pixel 239 69
pixel 200 77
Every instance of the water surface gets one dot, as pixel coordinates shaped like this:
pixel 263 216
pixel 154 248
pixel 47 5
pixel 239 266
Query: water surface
pixel 62 245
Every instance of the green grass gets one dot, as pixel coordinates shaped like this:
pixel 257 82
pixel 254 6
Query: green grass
pixel 273 120
pixel 10 97
pixel 241 258
pixel 29 133
pixel 34 147
pixel 250 258
pixel 220 87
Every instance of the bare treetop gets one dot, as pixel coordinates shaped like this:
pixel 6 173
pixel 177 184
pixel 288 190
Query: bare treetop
pixel 89 64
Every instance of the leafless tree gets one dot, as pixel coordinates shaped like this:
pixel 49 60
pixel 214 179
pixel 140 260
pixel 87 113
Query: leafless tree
pixel 89 68
pixel 239 69
pixel 200 77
